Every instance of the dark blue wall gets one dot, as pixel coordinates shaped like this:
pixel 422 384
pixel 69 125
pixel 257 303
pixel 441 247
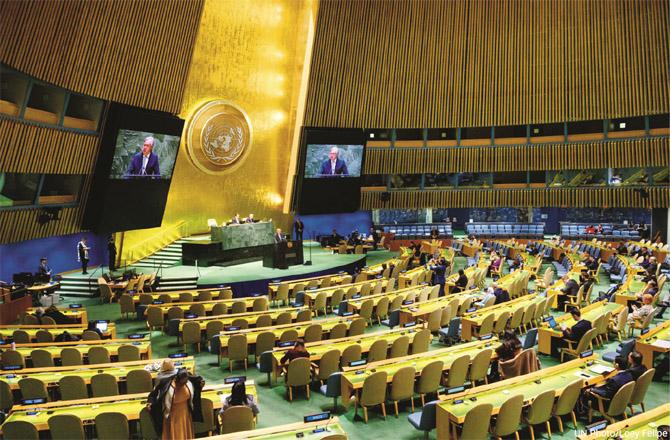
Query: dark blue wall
pixel 61 252
pixel 323 224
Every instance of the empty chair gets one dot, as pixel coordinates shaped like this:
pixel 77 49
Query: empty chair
pixel 501 323
pixel 19 430
pixel 226 294
pixel 284 318
pixel 289 335
pixel 112 426
pixel 237 350
pixel 155 318
pixel 239 307
pixel 486 327
pixel 212 329
pixel 208 423
pixel 185 297
pixel 175 313
pixel 509 417
pixel 332 388
pixel 146 298
pixel 104 384
pixel 147 428
pixel 241 323
pixel 219 309
pixel 304 316
pixel 566 403
pixel 237 419
pixel 435 321
pixel 197 309
pixel 402 387
pixel 540 412
pixel 480 367
pixel 41 358
pixel 429 380
pixel 338 331
pixel 640 389
pixel 421 341
pixel 264 321
pixel 530 339
pixel 127 305
pixel 400 347
pixel 425 419
pixel 129 353
pixel 32 388
pixel 349 354
pixel 259 304
pixel 377 350
pixel 381 311
pixel 476 423
pixel 298 374
pixel 328 364
pixel 166 298
pixel 320 303
pixel 372 394
pixel 138 381
pixel 336 299
pixel 313 333
pixel 458 371
pixel 191 335
pixel 6 397
pixel 357 326
pixel 44 336
pixel 265 341
pixel 66 427
pixel 70 356
pixel 366 310
pixel 30 320
pixel 21 337
pixel 98 355
pixel 282 294
pixel 90 335
pixel 204 295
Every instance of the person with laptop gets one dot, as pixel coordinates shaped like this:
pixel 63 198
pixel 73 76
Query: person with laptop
pixel 572 334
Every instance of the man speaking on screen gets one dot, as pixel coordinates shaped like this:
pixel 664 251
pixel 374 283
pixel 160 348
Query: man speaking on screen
pixel 334 166
pixel 145 163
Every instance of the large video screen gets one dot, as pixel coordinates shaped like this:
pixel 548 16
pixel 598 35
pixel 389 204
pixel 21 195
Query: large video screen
pixel 329 160
pixel 329 176
pixel 138 151
pixel 143 154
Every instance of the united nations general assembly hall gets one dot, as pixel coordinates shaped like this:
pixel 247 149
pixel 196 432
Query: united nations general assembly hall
pixel 334 219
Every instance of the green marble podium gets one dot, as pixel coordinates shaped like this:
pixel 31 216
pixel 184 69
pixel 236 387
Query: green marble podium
pixel 244 235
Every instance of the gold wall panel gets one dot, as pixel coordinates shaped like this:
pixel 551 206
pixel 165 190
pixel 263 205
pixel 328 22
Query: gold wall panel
pixel 249 53
pixel 608 154
pixel 574 198
pixel 135 52
pixel 26 148
pixel 436 63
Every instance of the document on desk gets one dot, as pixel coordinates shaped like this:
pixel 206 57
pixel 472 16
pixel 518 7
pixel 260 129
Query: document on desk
pixel 661 343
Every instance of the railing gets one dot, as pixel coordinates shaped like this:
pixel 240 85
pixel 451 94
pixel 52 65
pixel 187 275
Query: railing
pixel 155 242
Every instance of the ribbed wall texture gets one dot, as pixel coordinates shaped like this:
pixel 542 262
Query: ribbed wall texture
pixel 22 224
pixel 135 52
pixel 576 198
pixel 601 154
pixel 423 63
pixel 26 148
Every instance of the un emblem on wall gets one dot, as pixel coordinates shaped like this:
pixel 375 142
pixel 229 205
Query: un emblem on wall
pixel 218 137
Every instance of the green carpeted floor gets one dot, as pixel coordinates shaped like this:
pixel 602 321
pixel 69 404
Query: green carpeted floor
pixel 275 408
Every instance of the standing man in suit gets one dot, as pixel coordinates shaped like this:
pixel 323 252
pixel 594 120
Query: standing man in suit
pixel 44 270
pixel 439 268
pixel 145 163
pixel 334 166
pixel 82 254
pixel 298 227
pixel 111 252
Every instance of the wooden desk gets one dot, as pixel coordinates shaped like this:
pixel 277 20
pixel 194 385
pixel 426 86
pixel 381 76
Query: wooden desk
pixel 74 329
pixel 353 381
pixel 129 404
pixel 641 427
pixel 209 305
pixel 421 310
pixel 174 294
pixel 657 340
pixel 547 335
pixel 52 375
pixel 470 250
pixel 310 295
pixel 473 320
pixel 555 289
pixel 334 280
pixel 290 432
pixel 55 348
pixel 250 317
pixel 557 378
pixel 75 314
pixel 44 287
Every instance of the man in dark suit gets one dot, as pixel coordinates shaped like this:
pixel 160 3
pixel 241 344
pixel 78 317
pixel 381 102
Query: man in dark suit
pixel 236 220
pixel 111 251
pixel 439 268
pixel 636 368
pixel 44 271
pixel 82 254
pixel 334 166
pixel 298 227
pixel 607 390
pixel 578 330
pixel 279 237
pixel 501 295
pixel 145 163
pixel 462 281
pixel 570 289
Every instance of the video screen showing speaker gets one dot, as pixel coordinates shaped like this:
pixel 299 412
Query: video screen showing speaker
pixel 329 178
pixel 138 151
pixel 330 160
pixel 144 155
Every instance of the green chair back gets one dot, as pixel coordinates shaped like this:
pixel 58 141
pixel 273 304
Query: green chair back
pixel 620 400
pixel 378 350
pixel 241 323
pixel 190 333
pixel 567 400
pixel 303 316
pixel 90 335
pixel 402 384
pixel 41 358
pixel 66 427
pixel 264 321
pixel 213 328
pixel 298 373
pixel 6 396
pixel 205 295
pixel 458 371
pixel 509 416
pixel 540 409
pixel 186 297
pixel 147 428
pixel 237 419
pixel 285 318
pixel 112 426
pixel 19 430
pixel 32 388
pixel 239 307
pixel 487 324
pixel 21 337
pixel 329 364
pixel 208 423
pixel 98 355
pixel 429 381
pixel 72 388
pixel 421 341
pixel 313 333
pixel 175 313
pixel 219 309
pixel 351 353
pixel 289 335
pixel 103 385
pixel 400 347
pixel 139 381
pixel 476 424
pixel 374 389
pixel 198 309
pixel 129 353
pixel 480 365
pixel 70 356
pixel 641 387
pixel 338 331
pixel 237 347
pixel 265 341
pixel 43 336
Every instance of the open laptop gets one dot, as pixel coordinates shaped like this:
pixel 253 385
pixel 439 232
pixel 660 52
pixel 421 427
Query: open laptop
pixel 552 323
